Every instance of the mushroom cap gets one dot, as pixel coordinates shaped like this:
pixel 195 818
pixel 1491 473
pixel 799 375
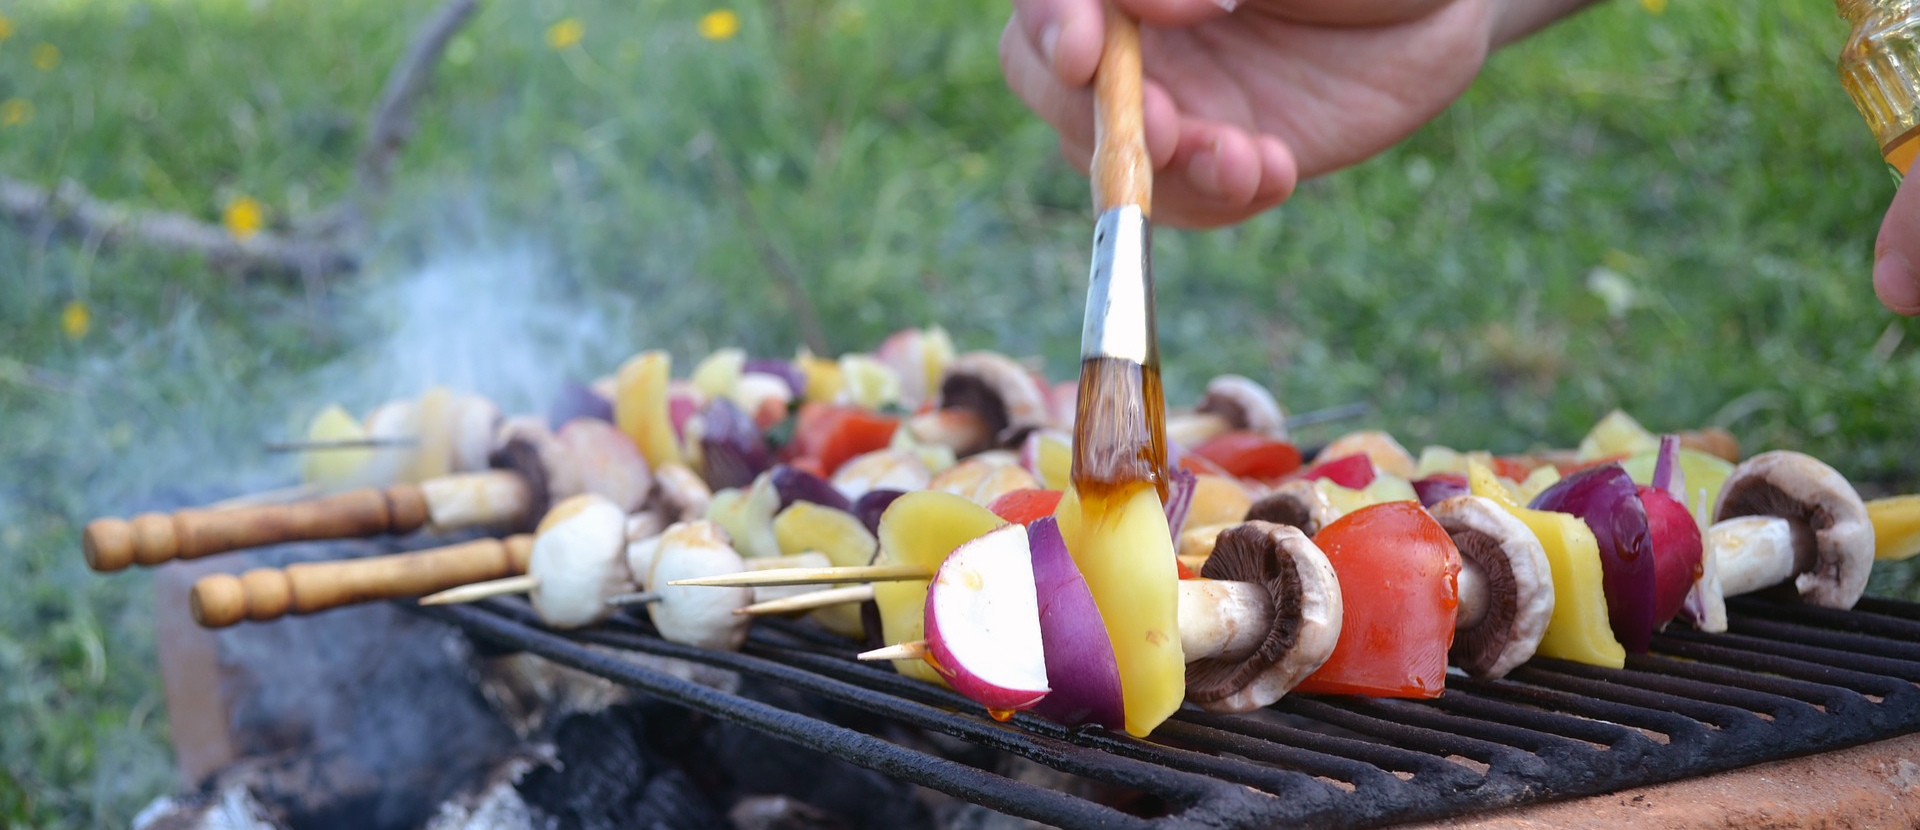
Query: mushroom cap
pixel 579 559
pixel 1513 565
pixel 999 389
pixel 1832 535
pixel 1246 404
pixel 1307 612
pixel 691 614
pixel 526 446
pixel 1296 503
pixel 681 493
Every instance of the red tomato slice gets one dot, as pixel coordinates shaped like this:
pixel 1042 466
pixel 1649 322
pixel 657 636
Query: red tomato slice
pixel 1511 469
pixel 1023 506
pixel 1244 454
pixel 1184 571
pixel 833 433
pixel 1350 471
pixel 1399 581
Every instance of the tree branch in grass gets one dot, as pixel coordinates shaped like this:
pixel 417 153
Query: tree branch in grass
pixel 73 211
pixel 391 123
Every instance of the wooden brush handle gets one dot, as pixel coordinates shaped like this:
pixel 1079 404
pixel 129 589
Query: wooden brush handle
pixel 1122 170
pixel 265 594
pixel 153 538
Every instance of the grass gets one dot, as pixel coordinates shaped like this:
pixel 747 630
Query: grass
pixel 561 208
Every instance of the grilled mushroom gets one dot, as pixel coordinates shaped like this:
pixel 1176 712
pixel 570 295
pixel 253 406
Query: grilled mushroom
pixel 697 616
pixel 999 390
pixel 1270 616
pixel 1232 402
pixel 1506 586
pixel 579 561
pixel 1298 504
pixel 1814 529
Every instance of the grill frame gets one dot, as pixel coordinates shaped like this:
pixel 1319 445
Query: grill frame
pixel 1697 704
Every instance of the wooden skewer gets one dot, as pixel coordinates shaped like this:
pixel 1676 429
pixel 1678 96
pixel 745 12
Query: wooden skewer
pixel 813 576
pixel 809 601
pixel 483 590
pixel 342 444
pixel 635 598
pixel 911 650
pixel 263 594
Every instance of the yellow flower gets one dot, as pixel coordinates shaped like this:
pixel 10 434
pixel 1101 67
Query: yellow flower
pixel 15 111
pixel 565 33
pixel 719 24
pixel 244 217
pixel 6 27
pixel 76 320
pixel 45 56
pixel 1654 6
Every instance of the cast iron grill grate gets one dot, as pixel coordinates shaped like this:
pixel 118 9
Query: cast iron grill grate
pixel 1785 680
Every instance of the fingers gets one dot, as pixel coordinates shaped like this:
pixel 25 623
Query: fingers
pixel 1070 108
pixel 1222 175
pixel 1894 279
pixel 1066 34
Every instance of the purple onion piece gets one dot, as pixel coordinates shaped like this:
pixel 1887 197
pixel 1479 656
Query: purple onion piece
pixel 1180 486
pixel 1439 487
pixel 1604 497
pixel 782 369
pixel 871 504
pixel 577 400
pixel 731 446
pixel 794 484
pixel 1081 667
pixel 1667 474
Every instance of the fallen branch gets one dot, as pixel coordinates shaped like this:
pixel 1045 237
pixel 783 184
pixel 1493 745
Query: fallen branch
pixel 71 210
pixel 391 123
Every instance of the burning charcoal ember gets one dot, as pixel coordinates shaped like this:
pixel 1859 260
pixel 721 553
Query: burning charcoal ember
pixel 607 773
pixel 231 808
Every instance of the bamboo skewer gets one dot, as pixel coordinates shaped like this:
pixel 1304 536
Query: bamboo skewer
pixel 522 584
pixel 911 650
pixel 809 601
pixel 813 576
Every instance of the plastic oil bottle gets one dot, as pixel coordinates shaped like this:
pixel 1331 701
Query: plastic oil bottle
pixel 1880 67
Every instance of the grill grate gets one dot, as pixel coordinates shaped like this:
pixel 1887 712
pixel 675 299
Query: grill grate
pixel 1785 680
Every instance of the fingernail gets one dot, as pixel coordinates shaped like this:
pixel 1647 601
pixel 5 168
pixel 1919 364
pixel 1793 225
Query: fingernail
pixel 1203 170
pixel 1229 5
pixel 1050 43
pixel 1896 284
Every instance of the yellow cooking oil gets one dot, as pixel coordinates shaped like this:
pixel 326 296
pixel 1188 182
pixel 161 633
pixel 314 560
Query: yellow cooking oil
pixel 1880 68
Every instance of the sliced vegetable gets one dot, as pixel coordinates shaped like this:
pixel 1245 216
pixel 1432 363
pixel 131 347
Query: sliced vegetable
pixel 1080 664
pixel 1119 540
pixel 731 450
pixel 803 527
pixel 1606 499
pixel 1578 630
pixel 1353 471
pixel 1248 454
pixel 1399 573
pixel 982 621
pixel 640 406
pixel 794 485
pixel 833 433
pixel 920 529
pixel 1180 491
pixel 576 400
pixel 1896 526
pixel 1439 487
pixel 1023 507
pixel 339 467
pixel 872 504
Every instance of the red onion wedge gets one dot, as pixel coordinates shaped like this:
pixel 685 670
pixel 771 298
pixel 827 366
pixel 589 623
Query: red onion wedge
pixel 1080 662
pixel 782 369
pixel 1181 484
pixel 794 484
pixel 983 623
pixel 1677 545
pixel 1439 487
pixel 578 401
pixel 731 446
pixel 1606 498
pixel 871 504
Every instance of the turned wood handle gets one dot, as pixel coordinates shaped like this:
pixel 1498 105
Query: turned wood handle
pixel 153 538
pixel 1122 170
pixel 265 594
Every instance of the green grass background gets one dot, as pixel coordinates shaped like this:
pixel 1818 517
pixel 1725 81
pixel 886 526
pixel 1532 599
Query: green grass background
pixel 559 209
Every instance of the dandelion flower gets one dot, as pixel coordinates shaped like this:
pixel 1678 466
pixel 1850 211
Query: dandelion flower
pixel 243 217
pixel 719 24
pixel 15 111
pixel 565 33
pixel 76 320
pixel 6 28
pixel 1654 6
pixel 45 57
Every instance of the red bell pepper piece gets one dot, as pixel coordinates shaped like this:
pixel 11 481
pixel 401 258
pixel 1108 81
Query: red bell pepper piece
pixel 1245 454
pixel 833 433
pixel 1023 506
pixel 1399 573
pixel 1354 472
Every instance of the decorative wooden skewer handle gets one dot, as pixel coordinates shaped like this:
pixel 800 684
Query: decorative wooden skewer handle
pixel 265 594
pixel 1122 169
pixel 153 538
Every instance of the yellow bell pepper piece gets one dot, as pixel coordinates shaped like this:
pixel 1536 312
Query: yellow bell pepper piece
pixel 640 406
pixel 1121 543
pixel 1579 629
pixel 1896 526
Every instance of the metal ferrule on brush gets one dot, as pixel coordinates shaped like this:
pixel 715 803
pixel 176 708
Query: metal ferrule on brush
pixel 1119 322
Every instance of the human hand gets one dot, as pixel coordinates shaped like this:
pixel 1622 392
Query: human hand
pixel 1240 106
pixel 1895 280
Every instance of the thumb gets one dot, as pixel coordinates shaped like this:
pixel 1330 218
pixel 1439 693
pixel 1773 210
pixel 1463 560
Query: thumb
pixel 1895 279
